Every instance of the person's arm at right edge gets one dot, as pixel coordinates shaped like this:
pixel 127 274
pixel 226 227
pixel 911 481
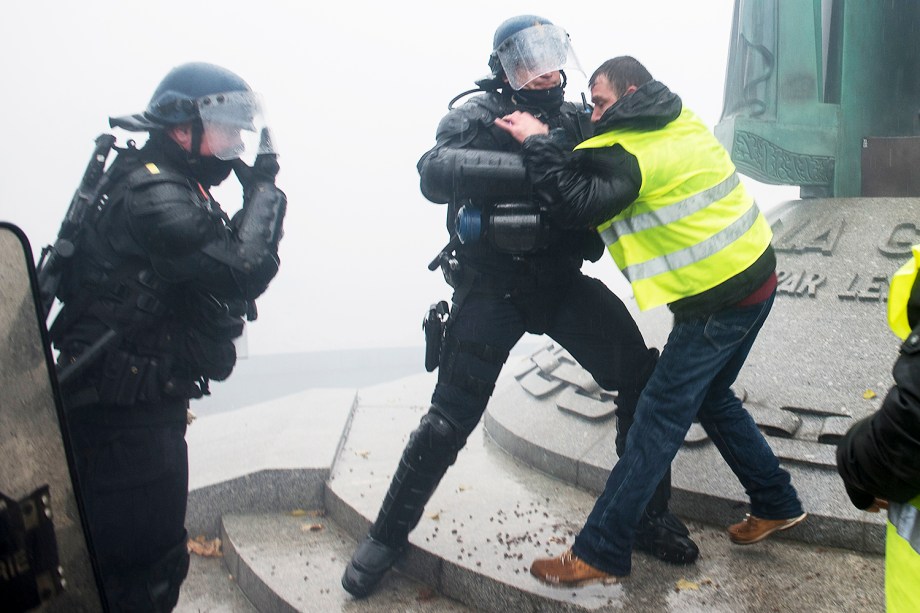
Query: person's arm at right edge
pixel 879 457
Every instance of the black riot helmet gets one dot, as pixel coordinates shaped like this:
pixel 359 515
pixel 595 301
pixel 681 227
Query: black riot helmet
pixel 527 46
pixel 218 102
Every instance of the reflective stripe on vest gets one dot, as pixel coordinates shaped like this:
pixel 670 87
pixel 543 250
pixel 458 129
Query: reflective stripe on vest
pixel 905 517
pixel 902 557
pixel 693 224
pixel 672 213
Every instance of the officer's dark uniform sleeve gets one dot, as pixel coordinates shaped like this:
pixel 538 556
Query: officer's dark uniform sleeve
pixel 188 243
pixel 583 188
pixel 880 455
pixel 466 127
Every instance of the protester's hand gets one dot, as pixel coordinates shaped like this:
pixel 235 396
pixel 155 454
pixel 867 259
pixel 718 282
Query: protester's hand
pixel 877 505
pixel 520 125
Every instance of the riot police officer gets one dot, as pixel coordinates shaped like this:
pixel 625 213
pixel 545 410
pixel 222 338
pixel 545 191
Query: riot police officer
pixel 156 292
pixel 511 273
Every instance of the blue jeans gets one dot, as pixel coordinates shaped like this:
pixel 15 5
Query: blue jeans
pixel 693 379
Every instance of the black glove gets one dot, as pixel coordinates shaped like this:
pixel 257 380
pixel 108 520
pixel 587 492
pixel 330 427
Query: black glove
pixel 263 170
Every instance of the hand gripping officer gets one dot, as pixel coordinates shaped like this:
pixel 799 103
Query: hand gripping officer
pixel 511 273
pixel 155 294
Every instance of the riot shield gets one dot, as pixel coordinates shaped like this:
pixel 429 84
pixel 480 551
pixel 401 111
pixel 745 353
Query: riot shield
pixel 45 561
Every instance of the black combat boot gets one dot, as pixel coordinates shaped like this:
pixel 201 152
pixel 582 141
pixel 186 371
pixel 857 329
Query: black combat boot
pixel 400 512
pixel 432 448
pixel 371 560
pixel 666 537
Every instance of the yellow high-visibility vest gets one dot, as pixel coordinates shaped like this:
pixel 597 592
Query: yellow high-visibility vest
pixel 902 544
pixel 899 292
pixel 693 225
pixel 902 557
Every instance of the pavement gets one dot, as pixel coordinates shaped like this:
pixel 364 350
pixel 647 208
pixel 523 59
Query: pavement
pixel 291 484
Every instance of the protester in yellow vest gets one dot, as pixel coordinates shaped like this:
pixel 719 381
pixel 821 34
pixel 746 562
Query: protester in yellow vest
pixel 879 457
pixel 665 197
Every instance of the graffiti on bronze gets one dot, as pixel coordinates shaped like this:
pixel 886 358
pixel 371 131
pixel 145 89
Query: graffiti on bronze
pixel 799 283
pixel 809 236
pixel 765 161
pixel 901 239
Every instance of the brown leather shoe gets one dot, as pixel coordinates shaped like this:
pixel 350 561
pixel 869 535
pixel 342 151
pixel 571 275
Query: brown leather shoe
pixel 753 529
pixel 568 570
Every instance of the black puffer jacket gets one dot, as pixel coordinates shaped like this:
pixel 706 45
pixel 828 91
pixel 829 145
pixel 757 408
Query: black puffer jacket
pixel 880 455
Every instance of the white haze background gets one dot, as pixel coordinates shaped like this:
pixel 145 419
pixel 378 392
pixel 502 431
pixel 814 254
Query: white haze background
pixel 354 92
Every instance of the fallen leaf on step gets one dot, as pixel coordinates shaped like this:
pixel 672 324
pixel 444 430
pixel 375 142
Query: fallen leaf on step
pixel 311 527
pixel 435 516
pixel 683 584
pixel 868 394
pixel 200 546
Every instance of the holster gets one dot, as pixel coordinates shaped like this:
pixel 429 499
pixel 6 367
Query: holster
pixel 434 326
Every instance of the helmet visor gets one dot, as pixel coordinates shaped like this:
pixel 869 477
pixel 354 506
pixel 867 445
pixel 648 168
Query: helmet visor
pixel 535 51
pixel 234 125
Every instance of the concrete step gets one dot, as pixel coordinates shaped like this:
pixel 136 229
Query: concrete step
pixel 335 451
pixel 288 563
pixel 492 515
pixel 210 588
pixel 546 413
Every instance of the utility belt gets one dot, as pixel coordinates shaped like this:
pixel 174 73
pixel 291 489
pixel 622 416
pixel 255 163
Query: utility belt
pixel 123 378
pixel 513 275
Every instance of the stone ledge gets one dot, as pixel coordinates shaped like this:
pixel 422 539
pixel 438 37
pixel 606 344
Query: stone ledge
pixel 273 456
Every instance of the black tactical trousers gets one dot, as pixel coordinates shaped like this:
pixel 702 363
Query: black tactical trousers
pixel 132 466
pixel 580 313
pixel 576 311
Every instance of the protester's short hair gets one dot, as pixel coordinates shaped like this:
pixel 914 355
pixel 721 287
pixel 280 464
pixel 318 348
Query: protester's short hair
pixel 622 72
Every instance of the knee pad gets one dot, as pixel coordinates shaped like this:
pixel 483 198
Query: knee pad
pixel 434 445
